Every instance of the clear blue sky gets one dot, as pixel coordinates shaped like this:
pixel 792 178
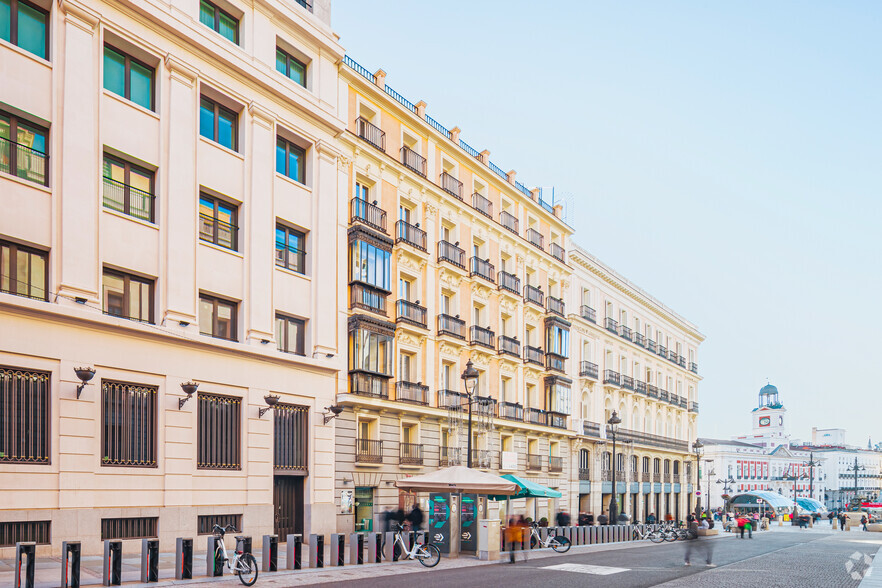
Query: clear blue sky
pixel 725 156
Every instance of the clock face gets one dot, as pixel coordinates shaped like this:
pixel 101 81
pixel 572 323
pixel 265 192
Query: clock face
pixel 765 421
pixel 780 420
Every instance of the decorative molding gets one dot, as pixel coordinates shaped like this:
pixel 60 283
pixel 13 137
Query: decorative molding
pixel 480 292
pixel 180 71
pixel 80 16
pixel 261 115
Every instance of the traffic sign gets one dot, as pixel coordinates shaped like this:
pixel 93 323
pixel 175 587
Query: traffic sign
pixel 698 492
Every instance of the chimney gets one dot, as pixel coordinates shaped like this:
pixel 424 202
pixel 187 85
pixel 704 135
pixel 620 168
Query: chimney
pixel 421 109
pixel 511 177
pixel 485 157
pixel 380 77
pixel 454 134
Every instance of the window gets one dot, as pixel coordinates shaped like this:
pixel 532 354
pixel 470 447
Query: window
pixel 128 188
pixel 23 148
pixel 127 77
pixel 290 67
pixel 24 404
pixel 219 430
pixel 20 531
pixel 290 249
pixel 558 396
pixel 407 367
pixel 205 523
pixel 290 334
pixel 127 296
pixel 290 429
pixel 370 265
pixel 129 528
pixel 128 434
pixel 217 318
pixel 558 339
pixel 219 21
pixel 370 351
pixel 23 271
pixel 290 160
pixel 361 191
pixel 218 123
pixel 25 25
pixel 217 222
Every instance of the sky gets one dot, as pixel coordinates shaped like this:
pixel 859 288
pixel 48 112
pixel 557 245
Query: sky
pixel 724 156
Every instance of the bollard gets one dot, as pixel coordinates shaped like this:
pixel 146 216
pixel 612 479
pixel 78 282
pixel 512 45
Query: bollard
pixel 25 550
pixel 149 560
pixel 214 561
pixel 389 551
pixel 338 549
pixel 243 543
pixel 543 534
pixel 183 558
pixel 356 549
pixel 112 568
pixel 70 564
pixel 592 535
pixel 408 540
pixel 270 554
pixel 294 552
pixel 316 551
pixel 375 542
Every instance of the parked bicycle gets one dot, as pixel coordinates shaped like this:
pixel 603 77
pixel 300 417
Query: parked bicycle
pixel 428 555
pixel 559 543
pixel 654 535
pixel 242 564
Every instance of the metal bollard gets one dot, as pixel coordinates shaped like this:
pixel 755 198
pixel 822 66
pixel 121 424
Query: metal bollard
pixel 270 553
pixel 149 560
pixel 25 550
pixel 543 534
pixel 338 549
pixel 183 558
pixel 70 564
pixel 356 549
pixel 243 543
pixel 389 547
pixel 112 568
pixel 592 535
pixel 214 562
pixel 294 552
pixel 316 551
pixel 375 553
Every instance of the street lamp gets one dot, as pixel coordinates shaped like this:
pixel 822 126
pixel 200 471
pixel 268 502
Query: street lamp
pixel 727 487
pixel 855 468
pixel 793 477
pixel 810 464
pixel 470 380
pixel 613 427
pixel 697 448
pixel 708 475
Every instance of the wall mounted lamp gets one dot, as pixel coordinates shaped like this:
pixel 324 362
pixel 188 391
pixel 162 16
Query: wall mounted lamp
pixel 331 412
pixel 189 389
pixel 84 375
pixel 271 402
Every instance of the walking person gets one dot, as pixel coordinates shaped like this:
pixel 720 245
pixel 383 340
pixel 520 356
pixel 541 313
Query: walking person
pixel 415 517
pixel 701 543
pixel 864 522
pixel 651 520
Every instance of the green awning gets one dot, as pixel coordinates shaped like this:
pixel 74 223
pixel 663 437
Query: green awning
pixel 528 489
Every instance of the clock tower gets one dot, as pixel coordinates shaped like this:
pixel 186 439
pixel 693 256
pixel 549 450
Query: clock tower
pixel 770 418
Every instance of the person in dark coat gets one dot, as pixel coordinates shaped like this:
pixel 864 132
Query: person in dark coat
pixel 602 519
pixel 650 520
pixel 415 518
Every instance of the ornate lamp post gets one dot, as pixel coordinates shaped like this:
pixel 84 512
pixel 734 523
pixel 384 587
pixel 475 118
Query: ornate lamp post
pixel 708 473
pixel 855 468
pixel 470 380
pixel 698 449
pixel 613 427
pixel 727 488
pixel 795 477
pixel 810 464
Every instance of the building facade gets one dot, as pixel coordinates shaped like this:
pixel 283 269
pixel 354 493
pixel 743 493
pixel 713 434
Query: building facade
pixel 632 355
pixel 169 189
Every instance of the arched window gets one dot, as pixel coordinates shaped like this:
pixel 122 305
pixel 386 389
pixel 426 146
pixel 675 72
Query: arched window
pixel 645 465
pixel 676 468
pixel 667 466
pixel 605 461
pixel 656 465
pixel 584 459
pixel 634 464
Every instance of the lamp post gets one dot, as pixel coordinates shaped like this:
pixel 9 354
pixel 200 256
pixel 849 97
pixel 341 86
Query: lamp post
pixel 727 487
pixel 470 380
pixel 697 448
pixel 855 468
pixel 708 474
pixel 795 477
pixel 613 427
pixel 810 464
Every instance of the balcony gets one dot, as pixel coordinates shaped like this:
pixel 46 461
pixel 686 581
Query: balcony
pixel 451 326
pixel 611 325
pixel 482 205
pixel 681 361
pixel 673 356
pixel 534 295
pixel 22 161
pixel 585 474
pixel 693 407
pixel 663 395
pixel 651 346
pixel 509 221
pixel 656 477
pixel 535 238
pixel 555 463
pixel 556 419
pixel 451 254
pixel 367 384
pixel 639 339
pixel 693 367
pixel 558 252
pixel 481 336
pixel 482 268
pixel 511 411
pixel 368 213
pixel 624 332
pixel 611 377
pixel 367 298
pixel 590 429
pixel 415 393
pixel 650 440
pixel 414 161
pixel 509 346
pixel 646 477
pixel 410 454
pixel 676 479
pixel 413 235
pixel 370 133
pixel 652 391
pixel 451 185
pixel 674 399
pixel 449 456
pixel 119 197
pixel 534 416
pixel 368 451
pixel 509 282
pixel 588 313
pixel 627 382
pixel 556 306
pixel 534 355
pixel 588 370
pixel 606 476
pixel 534 462
pixel 661 350
pixel 411 313
pixel 682 402
pixel 451 398
pixel 640 387
pixel 667 478
pixel 555 362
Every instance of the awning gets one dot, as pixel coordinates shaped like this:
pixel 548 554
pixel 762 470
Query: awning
pixel 528 489
pixel 458 479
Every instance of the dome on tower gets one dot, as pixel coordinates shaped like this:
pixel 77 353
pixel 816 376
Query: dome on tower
pixel 768 389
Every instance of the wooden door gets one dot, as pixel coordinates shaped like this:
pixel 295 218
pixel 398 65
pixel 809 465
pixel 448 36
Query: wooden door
pixel 288 503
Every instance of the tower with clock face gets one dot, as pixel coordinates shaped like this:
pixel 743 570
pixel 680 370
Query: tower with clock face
pixel 770 418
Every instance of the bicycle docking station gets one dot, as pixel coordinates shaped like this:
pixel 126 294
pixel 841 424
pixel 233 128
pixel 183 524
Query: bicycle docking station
pixel 294 552
pixel 316 551
pixel 214 563
pixel 112 568
pixel 375 542
pixel 270 553
pixel 338 549
pixel 356 549
pixel 27 551
pixel 183 558
pixel 389 547
pixel 543 534
pixel 149 560
pixel 243 543
pixel 70 564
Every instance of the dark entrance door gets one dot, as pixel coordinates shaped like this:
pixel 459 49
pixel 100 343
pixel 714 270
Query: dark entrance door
pixel 288 502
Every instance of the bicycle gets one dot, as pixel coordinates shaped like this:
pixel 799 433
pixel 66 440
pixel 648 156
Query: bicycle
pixel 559 543
pixel 654 535
pixel 242 564
pixel 428 555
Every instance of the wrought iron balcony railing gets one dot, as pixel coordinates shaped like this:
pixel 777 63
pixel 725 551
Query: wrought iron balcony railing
pixel 122 197
pixel 585 474
pixel 557 252
pixel 509 346
pixel 693 407
pixel 413 392
pixel 624 332
pixel 410 453
pixel 370 133
pixel 588 370
pixel 535 416
pixel 512 411
pixel 640 387
pixel 482 205
pixel 22 161
pixel 451 185
pixel 611 325
pixel 627 382
pixel 368 213
pixel 693 367
pixel 450 456
pixel 366 384
pixel 413 161
pixel 590 429
pixel 411 313
pixel 588 313
pixel 411 234
pixel 450 253
pixel 509 282
pixel 534 462
pixel 555 463
pixel 451 325
pixel 368 451
pixel 534 295
pixel 451 398
pixel 534 355
pixel 481 336
pixel 482 268
pixel 556 306
pixel 612 377
pixel 509 221
pixel 652 391
pixel 535 238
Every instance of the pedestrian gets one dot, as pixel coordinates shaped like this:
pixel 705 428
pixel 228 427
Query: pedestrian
pixel 563 519
pixel 583 519
pixel 651 520
pixel 602 519
pixel 701 543
pixel 830 518
pixel 842 521
pixel 512 539
pixel 864 522
pixel 388 517
pixel 415 517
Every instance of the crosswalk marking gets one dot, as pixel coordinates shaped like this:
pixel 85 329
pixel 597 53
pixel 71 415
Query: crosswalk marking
pixel 586 569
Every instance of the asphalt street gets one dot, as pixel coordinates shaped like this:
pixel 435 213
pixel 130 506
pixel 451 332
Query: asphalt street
pixel 769 560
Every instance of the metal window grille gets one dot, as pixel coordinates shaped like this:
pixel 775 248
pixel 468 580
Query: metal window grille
pixel 291 425
pixel 205 523
pixel 129 528
pixel 24 416
pixel 36 531
pixel 219 432
pixel 128 436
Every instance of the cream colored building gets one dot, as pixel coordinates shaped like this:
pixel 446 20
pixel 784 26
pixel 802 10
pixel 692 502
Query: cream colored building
pixel 633 355
pixel 169 190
